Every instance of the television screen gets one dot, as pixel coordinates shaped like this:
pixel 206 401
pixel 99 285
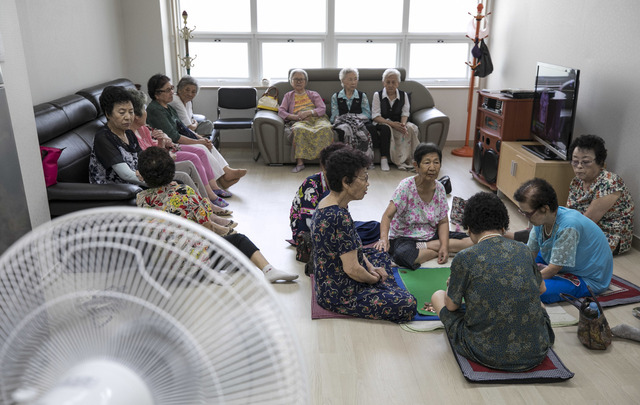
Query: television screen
pixel 554 109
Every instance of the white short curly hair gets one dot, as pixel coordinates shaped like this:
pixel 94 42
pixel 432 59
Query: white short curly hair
pixel 346 71
pixel 294 71
pixel 391 71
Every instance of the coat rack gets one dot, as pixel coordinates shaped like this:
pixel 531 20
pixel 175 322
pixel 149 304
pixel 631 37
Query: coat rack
pixel 185 33
pixel 466 150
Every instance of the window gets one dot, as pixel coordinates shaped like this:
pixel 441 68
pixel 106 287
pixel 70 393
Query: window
pixel 278 57
pixel 244 41
pixel 360 54
pixel 379 16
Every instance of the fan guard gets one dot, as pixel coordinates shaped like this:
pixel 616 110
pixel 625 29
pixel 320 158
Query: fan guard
pixel 148 292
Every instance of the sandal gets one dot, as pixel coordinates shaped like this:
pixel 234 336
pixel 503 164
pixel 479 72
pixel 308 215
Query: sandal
pixel 222 193
pixel 223 212
pixel 231 232
pixel 297 169
pixel 220 202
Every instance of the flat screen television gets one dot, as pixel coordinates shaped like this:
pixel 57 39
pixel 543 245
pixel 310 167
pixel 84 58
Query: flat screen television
pixel 554 110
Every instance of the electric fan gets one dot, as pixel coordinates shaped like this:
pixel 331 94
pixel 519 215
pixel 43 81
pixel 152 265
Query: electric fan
pixel 137 306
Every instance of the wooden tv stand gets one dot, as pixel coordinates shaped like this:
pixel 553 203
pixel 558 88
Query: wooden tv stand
pixel 518 165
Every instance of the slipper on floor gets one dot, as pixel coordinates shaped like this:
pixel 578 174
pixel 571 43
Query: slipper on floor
pixel 222 193
pixel 231 232
pixel 232 224
pixel 220 202
pixel 223 212
pixel 297 169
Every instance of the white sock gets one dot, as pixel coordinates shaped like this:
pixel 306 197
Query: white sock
pixel 384 165
pixel 272 274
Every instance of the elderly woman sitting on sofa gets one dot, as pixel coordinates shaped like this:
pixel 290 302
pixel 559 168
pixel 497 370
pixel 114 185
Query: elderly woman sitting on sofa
pixel 351 114
pixel 304 114
pixel 162 116
pixel 390 110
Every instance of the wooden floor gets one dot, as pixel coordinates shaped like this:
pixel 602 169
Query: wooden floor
pixel 353 361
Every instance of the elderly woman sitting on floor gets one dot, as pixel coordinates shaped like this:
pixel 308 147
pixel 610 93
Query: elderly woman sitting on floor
pixel 599 194
pixel 349 279
pixel 503 325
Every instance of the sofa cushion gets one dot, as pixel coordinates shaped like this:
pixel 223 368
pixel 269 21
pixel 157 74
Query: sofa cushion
pixel 77 109
pixel 93 93
pixel 50 122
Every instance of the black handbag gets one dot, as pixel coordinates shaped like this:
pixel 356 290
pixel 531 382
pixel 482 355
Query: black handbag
pixel 593 328
pixel 303 246
pixel 446 182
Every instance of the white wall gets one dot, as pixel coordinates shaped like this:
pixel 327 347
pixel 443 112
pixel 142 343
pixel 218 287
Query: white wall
pixel 597 37
pixel 71 44
pixel 17 85
pixel 147 40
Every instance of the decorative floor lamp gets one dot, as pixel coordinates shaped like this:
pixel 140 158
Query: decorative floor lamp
pixel 466 150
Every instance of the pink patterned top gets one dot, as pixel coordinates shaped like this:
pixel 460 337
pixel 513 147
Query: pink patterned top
pixel 416 218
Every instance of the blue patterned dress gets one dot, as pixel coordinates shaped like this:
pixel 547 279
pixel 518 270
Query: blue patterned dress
pixel 334 234
pixel 503 326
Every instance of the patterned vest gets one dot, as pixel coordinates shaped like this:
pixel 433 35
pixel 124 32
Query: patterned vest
pixel 389 113
pixel 356 104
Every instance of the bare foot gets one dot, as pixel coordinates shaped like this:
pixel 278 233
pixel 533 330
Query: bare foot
pixel 428 307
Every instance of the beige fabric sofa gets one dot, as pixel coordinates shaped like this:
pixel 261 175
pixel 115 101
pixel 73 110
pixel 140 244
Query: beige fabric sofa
pixel 268 127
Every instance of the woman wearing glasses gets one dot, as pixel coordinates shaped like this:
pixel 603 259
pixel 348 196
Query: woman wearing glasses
pixel 574 250
pixel 349 279
pixel 415 226
pixel 600 194
pixel 306 124
pixel 162 116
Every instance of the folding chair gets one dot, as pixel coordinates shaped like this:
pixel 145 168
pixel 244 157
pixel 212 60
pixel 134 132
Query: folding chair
pixel 238 104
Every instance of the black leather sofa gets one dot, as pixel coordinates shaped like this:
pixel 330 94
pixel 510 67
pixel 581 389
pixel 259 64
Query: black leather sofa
pixel 70 123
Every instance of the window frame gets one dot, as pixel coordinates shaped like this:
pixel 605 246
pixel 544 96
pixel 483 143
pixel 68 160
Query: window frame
pixel 329 41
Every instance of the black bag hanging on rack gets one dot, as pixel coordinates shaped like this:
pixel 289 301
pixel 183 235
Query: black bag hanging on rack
pixel 485 66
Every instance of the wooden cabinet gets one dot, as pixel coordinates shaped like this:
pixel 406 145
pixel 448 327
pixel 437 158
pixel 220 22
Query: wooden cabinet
pixel 518 165
pixel 499 119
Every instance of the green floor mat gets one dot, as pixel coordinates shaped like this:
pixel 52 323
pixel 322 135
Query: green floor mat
pixel 423 282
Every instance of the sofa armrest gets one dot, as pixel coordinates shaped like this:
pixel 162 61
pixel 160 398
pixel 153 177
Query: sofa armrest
pixel 92 192
pixel 268 128
pixel 433 125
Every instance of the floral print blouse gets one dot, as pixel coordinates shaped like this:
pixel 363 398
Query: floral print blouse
pixel 416 218
pixel 177 199
pixel 617 223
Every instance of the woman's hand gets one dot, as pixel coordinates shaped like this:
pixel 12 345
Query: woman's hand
pixel 381 273
pixel 157 134
pixel 305 114
pixel 382 245
pixel 400 127
pixel 205 142
pixel 443 255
